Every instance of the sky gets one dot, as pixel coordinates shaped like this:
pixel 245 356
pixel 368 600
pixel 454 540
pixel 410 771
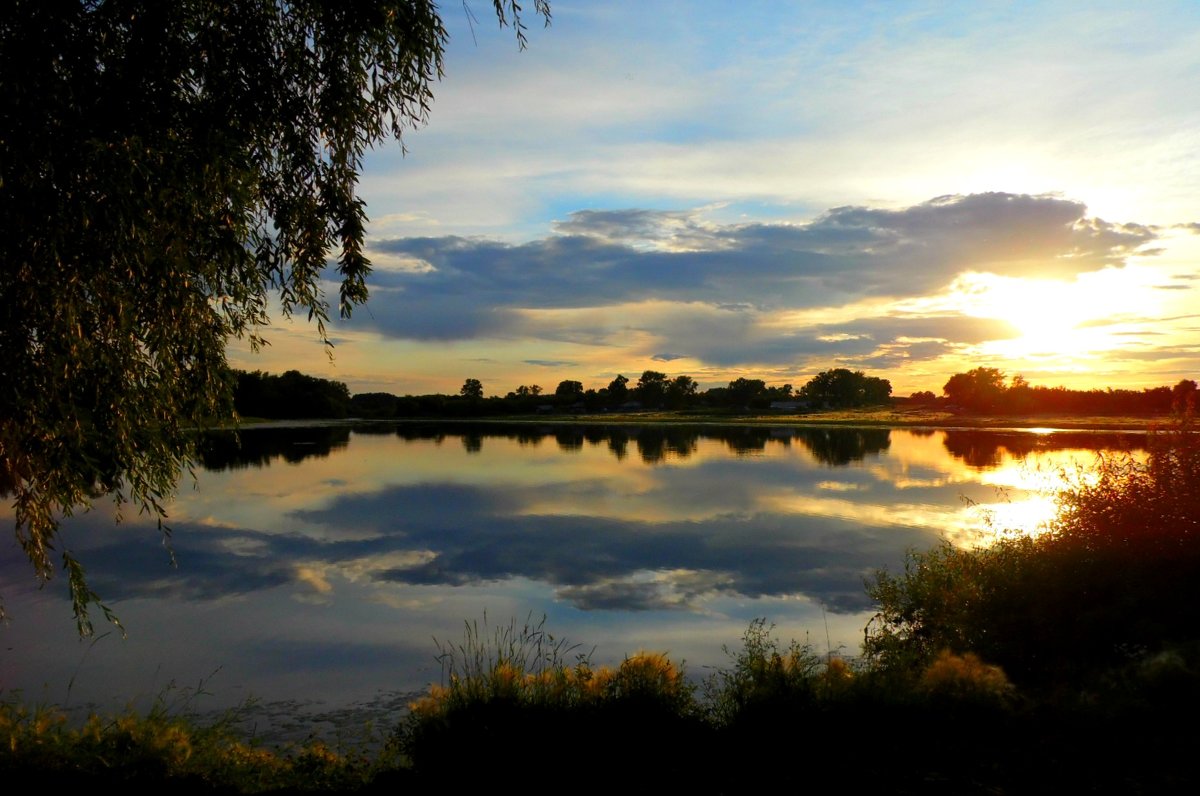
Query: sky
pixel 771 190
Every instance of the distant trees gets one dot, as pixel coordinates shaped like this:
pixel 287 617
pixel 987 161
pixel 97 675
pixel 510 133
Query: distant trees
pixel 292 395
pixel 295 395
pixel 1183 396
pixel 618 390
pixel 472 388
pixel 747 393
pixel 841 388
pixel 985 390
pixel 651 388
pixel 981 389
pixel 680 391
pixel 568 392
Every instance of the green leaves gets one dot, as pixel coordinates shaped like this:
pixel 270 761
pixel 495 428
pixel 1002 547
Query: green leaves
pixel 165 168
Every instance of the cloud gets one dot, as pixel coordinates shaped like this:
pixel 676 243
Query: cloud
pixel 668 357
pixel 549 363
pixel 709 290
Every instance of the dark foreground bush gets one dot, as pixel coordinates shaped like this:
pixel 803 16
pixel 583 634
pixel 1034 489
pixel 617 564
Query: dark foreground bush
pixel 1110 583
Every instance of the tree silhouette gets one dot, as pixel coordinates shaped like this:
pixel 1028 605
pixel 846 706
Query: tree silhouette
pixel 568 391
pixel 166 168
pixel 844 388
pixel 651 388
pixel 472 388
pixel 979 389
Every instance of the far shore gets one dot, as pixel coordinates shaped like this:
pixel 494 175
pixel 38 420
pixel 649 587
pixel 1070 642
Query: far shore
pixel 891 417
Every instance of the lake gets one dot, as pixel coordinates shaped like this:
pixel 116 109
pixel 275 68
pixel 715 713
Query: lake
pixel 316 564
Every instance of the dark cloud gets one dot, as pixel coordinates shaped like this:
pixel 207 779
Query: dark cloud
pixel 619 596
pixel 478 287
pixel 668 357
pixel 550 363
pixel 729 340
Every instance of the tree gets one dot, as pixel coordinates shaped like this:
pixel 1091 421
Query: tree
pixel 844 388
pixel 528 390
pixel 1183 396
pixel 651 388
pixel 979 389
pixel 165 169
pixel 618 389
pixel 472 388
pixel 680 391
pixel 743 392
pixel 568 391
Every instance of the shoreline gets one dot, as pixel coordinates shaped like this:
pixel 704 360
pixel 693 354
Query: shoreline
pixel 869 418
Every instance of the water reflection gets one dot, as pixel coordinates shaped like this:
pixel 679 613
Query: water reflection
pixel 324 558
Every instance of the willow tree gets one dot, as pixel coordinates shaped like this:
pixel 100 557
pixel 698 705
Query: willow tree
pixel 166 168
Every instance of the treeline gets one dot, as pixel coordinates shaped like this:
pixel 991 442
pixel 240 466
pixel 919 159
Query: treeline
pixel 652 391
pixel 990 390
pixel 982 390
pixel 290 396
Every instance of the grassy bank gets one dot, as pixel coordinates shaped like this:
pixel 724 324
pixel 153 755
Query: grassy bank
pixel 916 417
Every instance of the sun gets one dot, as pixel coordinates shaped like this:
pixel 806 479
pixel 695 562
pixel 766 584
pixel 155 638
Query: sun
pixel 1078 318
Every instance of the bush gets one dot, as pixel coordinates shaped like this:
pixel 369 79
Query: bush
pixel 514 689
pixel 1111 580
pixel 764 679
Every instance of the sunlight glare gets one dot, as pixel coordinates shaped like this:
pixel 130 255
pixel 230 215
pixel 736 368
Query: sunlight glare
pixel 1070 319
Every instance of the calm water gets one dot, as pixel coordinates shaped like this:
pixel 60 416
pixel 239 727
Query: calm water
pixel 317 564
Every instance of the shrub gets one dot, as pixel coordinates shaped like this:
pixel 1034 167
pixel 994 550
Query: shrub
pixel 1112 577
pixel 965 678
pixel 763 678
pixel 511 690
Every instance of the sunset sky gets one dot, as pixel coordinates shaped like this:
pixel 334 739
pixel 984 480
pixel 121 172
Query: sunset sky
pixel 769 190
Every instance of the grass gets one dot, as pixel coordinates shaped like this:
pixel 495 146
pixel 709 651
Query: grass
pixel 884 417
pixel 167 746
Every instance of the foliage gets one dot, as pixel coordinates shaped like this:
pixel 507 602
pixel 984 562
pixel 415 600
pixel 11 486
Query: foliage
pixel 651 388
pixel 1111 578
pixel 568 391
pixel 980 389
pixel 515 698
pixel 843 388
pixel 165 169
pixel 965 678
pixel 680 390
pixel 514 688
pixel 618 389
pixel 985 390
pixel 472 388
pixel 292 395
pixel 166 748
pixel 764 678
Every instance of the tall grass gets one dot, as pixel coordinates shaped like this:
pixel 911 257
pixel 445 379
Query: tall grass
pixel 163 746
pixel 514 691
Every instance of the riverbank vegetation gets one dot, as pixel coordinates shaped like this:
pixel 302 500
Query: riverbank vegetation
pixel 981 397
pixel 1064 660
